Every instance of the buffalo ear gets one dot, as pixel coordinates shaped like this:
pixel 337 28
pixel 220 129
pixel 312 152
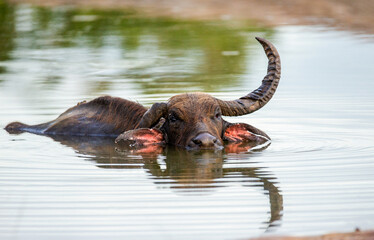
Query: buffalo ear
pixel 242 132
pixel 142 137
pixel 153 115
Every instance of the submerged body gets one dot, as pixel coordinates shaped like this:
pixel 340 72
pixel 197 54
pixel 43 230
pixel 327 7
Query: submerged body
pixel 103 116
pixel 191 120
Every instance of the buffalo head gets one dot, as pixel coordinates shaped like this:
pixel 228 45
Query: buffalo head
pixel 194 120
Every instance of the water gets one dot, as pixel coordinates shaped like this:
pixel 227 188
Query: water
pixel 315 177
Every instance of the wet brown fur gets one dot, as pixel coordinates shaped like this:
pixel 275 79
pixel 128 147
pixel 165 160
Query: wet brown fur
pixel 106 116
pixel 123 114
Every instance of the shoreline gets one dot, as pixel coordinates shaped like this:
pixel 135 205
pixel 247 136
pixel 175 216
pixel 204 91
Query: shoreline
pixel 356 235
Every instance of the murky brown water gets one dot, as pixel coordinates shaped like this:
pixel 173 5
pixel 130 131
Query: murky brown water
pixel 315 177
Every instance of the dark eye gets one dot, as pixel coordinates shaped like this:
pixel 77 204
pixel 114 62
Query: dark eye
pixel 218 115
pixel 173 118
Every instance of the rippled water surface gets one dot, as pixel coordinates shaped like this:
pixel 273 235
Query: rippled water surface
pixel 317 175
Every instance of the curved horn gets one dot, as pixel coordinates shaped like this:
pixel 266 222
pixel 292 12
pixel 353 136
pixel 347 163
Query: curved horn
pixel 259 97
pixel 153 115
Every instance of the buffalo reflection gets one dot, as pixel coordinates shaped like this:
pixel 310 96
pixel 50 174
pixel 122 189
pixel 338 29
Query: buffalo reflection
pixel 189 170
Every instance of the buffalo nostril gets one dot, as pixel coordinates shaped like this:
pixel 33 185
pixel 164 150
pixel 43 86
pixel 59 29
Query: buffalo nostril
pixel 197 141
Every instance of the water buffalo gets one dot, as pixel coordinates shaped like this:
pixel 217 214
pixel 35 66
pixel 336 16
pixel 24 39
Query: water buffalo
pixel 190 120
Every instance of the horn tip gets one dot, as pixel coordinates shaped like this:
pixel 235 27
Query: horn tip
pixel 261 40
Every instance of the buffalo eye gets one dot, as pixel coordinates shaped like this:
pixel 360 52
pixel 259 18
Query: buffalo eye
pixel 173 118
pixel 217 114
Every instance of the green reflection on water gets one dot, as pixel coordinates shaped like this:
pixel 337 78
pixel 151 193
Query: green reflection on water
pixel 7 31
pixel 187 55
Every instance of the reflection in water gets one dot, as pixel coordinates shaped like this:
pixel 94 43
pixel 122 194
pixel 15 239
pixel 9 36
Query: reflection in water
pixel 7 33
pixel 188 171
pixel 164 55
